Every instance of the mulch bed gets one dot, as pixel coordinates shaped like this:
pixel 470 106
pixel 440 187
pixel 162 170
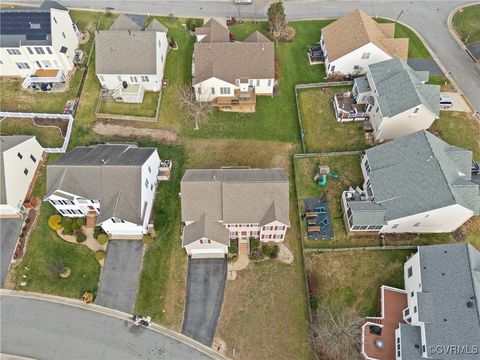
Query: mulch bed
pixel 60 123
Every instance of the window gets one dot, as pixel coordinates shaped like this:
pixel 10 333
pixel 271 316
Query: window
pixel 407 311
pixel 367 166
pixel 269 82
pixel 416 110
pixel 209 241
pixel 63 50
pixel 25 171
pixel 356 67
pixel 159 44
pixel 30 50
pixel 410 271
pixel 14 52
pixel 394 226
pixel 237 82
pixel 116 221
pixel 23 65
pixel 55 20
pixel 151 187
pixel 201 241
pixel 146 183
pixel 415 309
pixel 39 50
pixel 133 79
pixel 411 294
pixel 49 50
pixel 258 82
pixel 416 224
pixel 46 63
pixel 20 156
pixel 119 78
pixel 250 82
pixel 63 34
pixel 376 110
pixel 225 91
pixel 161 58
pixel 38 64
pixel 145 78
pixel 332 68
pixel 365 55
pixel 212 91
pixel 149 169
pixel 199 90
pixel 33 158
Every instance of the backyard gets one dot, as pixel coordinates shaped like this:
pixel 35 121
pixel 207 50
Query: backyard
pixel 322 131
pixel 467 25
pixel 148 108
pixel 47 136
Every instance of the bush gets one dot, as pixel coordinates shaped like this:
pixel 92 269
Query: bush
pixel 81 221
pixel 233 249
pixel 266 250
pixel 102 239
pixel 147 240
pixel 99 255
pixel 97 231
pixel 313 304
pixel 288 34
pixel 254 243
pixel 55 222
pixel 255 254
pixel 75 225
pixel 67 226
pixel 191 25
pixel 81 238
pixel 274 252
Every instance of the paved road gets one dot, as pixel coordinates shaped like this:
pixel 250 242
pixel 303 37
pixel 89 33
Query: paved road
pixel 428 17
pixel 9 233
pixel 120 275
pixel 42 329
pixel 205 289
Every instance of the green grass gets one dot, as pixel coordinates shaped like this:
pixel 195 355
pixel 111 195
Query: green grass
pixel 46 136
pixel 467 24
pixel 350 281
pixel 323 133
pixel 147 108
pixel 44 248
pixel 416 48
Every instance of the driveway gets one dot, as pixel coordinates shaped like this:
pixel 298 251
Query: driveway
pixel 205 288
pixel 120 275
pixel 459 103
pixel 9 233
pixel 39 326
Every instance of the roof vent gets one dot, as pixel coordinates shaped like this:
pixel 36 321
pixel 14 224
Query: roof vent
pixel 470 304
pixel 443 274
pixel 445 320
pixel 445 251
pixel 417 346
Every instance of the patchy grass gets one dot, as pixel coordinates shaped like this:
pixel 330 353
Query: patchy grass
pixel 323 133
pixel 445 84
pixel 147 108
pixel 459 129
pixel 472 231
pixel 416 48
pixel 467 24
pixel 351 280
pixel 44 248
pixel 46 136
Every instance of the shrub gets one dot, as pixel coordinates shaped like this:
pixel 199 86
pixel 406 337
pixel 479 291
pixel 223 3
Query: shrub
pixel 255 254
pixel 81 238
pixel 254 243
pixel 102 239
pixel 274 252
pixel 75 225
pixel 233 249
pixel 313 304
pixel 80 221
pixel 266 250
pixel 99 255
pixel 147 240
pixel 191 25
pixel 97 231
pixel 67 228
pixel 57 266
pixel 54 222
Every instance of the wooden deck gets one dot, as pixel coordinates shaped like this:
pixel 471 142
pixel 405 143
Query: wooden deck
pixel 244 101
pixel 394 302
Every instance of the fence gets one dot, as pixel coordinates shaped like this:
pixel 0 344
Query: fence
pixel 68 117
pixel 361 248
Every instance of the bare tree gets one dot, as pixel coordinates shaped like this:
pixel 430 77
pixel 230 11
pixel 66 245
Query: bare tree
pixel 239 8
pixel 198 111
pixel 337 335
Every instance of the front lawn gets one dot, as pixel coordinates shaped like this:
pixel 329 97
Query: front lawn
pixel 322 131
pixel 148 108
pixel 47 136
pixel 467 24
pixel 459 129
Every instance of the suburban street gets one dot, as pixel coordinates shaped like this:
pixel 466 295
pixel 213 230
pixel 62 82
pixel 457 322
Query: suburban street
pixel 39 327
pixel 429 18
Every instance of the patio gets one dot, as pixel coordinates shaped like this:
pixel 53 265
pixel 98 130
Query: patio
pixel 347 109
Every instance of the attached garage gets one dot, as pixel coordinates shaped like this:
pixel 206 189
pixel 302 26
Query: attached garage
pixel 211 253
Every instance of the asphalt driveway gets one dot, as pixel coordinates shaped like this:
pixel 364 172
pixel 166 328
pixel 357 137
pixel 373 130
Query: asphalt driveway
pixel 120 275
pixel 205 288
pixel 9 233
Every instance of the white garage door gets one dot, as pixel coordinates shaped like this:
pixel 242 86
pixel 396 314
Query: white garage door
pixel 207 253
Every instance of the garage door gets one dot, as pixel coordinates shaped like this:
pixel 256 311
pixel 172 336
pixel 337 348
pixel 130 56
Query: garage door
pixel 207 254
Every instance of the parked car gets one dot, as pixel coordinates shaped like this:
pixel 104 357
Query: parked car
pixel 475 168
pixel 242 2
pixel 445 102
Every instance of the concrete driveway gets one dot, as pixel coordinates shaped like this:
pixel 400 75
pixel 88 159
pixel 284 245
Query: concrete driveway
pixel 459 103
pixel 9 233
pixel 205 289
pixel 37 326
pixel 120 275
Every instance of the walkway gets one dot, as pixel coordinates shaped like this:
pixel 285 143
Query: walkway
pixel 47 327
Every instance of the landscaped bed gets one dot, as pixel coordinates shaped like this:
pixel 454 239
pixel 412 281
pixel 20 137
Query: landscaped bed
pixel 49 135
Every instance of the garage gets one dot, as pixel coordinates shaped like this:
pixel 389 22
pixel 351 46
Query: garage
pixel 207 253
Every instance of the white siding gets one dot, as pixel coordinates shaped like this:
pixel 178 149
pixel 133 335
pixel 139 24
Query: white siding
pixel 214 248
pixel 210 88
pixel 122 228
pixel 64 26
pixel 149 173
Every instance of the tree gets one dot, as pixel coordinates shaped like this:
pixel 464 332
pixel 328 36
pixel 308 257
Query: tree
pixel 239 8
pixel 276 20
pixel 198 111
pixel 337 335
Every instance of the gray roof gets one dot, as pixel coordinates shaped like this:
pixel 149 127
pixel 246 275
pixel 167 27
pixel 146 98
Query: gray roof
pixel 109 173
pixel 50 4
pixel 420 172
pixel 206 228
pixel 235 195
pixel 156 25
pixel 400 88
pixel 6 143
pixel 366 213
pixel 411 342
pixel 362 84
pixel 129 22
pixel 450 278
pixel 126 52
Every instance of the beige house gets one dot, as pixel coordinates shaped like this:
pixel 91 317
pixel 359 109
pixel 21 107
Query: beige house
pixel 355 41
pixel 231 74
pixel 223 204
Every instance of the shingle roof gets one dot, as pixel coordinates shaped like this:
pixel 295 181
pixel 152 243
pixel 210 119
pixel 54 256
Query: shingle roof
pixel 257 36
pixel 420 172
pixel 357 29
pixel 157 26
pixel 450 281
pixel 129 22
pixel 206 228
pixel 109 173
pixel 399 88
pixel 214 32
pixel 366 213
pixel 126 52
pixel 235 195
pixel 49 4
pixel 411 342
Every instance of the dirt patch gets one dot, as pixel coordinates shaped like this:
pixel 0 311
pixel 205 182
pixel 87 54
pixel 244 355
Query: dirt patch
pixel 59 123
pixel 163 136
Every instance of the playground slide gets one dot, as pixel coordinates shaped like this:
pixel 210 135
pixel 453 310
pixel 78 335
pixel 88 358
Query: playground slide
pixel 323 180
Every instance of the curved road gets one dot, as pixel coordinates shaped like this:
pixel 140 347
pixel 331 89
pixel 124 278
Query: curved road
pixel 429 18
pixel 47 327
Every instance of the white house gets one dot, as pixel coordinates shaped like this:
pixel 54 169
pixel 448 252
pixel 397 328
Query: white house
pixel 231 74
pixel 223 204
pixel 393 98
pixel 414 184
pixel 130 58
pixel 113 185
pixel 20 158
pixel 355 41
pixel 37 43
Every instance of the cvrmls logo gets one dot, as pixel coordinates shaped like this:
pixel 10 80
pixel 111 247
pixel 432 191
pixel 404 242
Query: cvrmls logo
pixel 454 349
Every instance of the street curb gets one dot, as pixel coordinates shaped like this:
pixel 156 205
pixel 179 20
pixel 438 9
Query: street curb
pixel 113 313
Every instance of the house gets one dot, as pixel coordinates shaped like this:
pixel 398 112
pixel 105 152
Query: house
pixel 223 204
pixel 37 44
pixel 231 74
pixel 355 41
pixel 113 185
pixel 393 98
pixel 20 159
pixel 414 184
pixel 437 315
pixel 130 57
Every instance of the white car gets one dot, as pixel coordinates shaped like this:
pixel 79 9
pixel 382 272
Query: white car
pixel 242 2
pixel 445 102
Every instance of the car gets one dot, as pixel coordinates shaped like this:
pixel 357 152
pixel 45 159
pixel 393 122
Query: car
pixel 475 168
pixel 445 102
pixel 242 2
